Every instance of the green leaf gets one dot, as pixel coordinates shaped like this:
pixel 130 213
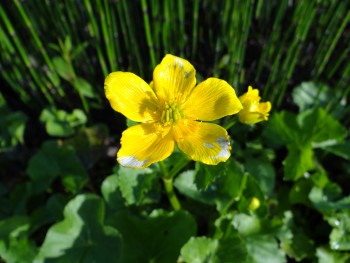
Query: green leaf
pixel 326 199
pixel 264 248
pixel 111 192
pixel 299 193
pixel 157 238
pixel 319 128
pixel 340 235
pixel 84 88
pixel 67 45
pixel 282 128
pixel 60 123
pixel 223 192
pixel 326 255
pixel 53 161
pixel 60 129
pixel 249 240
pixel 12 125
pixel 82 235
pixel 246 225
pixel 252 198
pixel 207 174
pixel 55 205
pixel 89 144
pixel 311 95
pixel 342 149
pixel 15 245
pixel 298 161
pixel 136 185
pixel 63 68
pixel 185 184
pixel 263 172
pixel 199 249
pixel 298 245
pixel 313 128
pixel 231 248
pixel 78 50
pixel 19 198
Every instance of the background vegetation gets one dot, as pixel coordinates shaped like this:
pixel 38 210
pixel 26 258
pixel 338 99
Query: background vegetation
pixel 283 196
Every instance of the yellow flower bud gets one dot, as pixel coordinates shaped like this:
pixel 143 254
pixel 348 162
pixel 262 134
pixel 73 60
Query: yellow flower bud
pixel 253 111
pixel 254 203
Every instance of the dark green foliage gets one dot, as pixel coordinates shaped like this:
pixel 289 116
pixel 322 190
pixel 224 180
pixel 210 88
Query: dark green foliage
pixel 283 196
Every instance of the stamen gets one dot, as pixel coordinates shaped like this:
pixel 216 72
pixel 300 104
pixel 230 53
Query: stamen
pixel 171 113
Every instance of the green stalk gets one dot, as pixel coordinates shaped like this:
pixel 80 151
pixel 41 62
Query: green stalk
pixel 148 33
pixel 39 45
pixel 132 36
pixel 169 189
pixel 23 53
pixel 94 31
pixel 195 28
pixel 157 27
pixel 181 19
pixel 166 26
pixel 168 186
pixel 335 38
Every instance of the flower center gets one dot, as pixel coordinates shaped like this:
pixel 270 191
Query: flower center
pixel 171 113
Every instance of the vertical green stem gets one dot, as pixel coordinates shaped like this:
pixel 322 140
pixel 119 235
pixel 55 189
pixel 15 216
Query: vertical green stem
pixel 168 185
pixel 169 189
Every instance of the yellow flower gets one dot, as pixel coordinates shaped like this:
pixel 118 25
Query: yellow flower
pixel 253 111
pixel 169 109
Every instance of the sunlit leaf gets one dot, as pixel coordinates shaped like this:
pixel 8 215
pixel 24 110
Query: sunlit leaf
pixel 223 192
pixel 262 249
pixel 60 123
pixel 298 161
pixel 15 245
pixel 136 185
pixel 319 128
pixel 341 149
pixel 340 235
pixel 82 235
pixel 325 255
pixel 111 192
pixel 199 250
pixel 310 95
pixel 12 125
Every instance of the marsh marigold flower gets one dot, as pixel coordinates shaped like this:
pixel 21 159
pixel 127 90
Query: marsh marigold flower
pixel 171 110
pixel 253 111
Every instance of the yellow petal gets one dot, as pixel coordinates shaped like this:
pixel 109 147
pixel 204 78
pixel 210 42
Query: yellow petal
pixel 250 95
pixel 253 111
pixel 248 117
pixel 204 142
pixel 131 96
pixel 144 144
pixel 173 79
pixel 212 99
pixel 265 107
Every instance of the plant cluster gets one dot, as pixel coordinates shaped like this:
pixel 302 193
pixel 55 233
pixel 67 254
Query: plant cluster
pixel 202 167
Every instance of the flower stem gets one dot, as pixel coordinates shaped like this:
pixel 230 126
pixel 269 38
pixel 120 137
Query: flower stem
pixel 168 185
pixel 169 189
pixel 230 123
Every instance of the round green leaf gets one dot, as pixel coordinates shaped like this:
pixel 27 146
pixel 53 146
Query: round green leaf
pixel 82 235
